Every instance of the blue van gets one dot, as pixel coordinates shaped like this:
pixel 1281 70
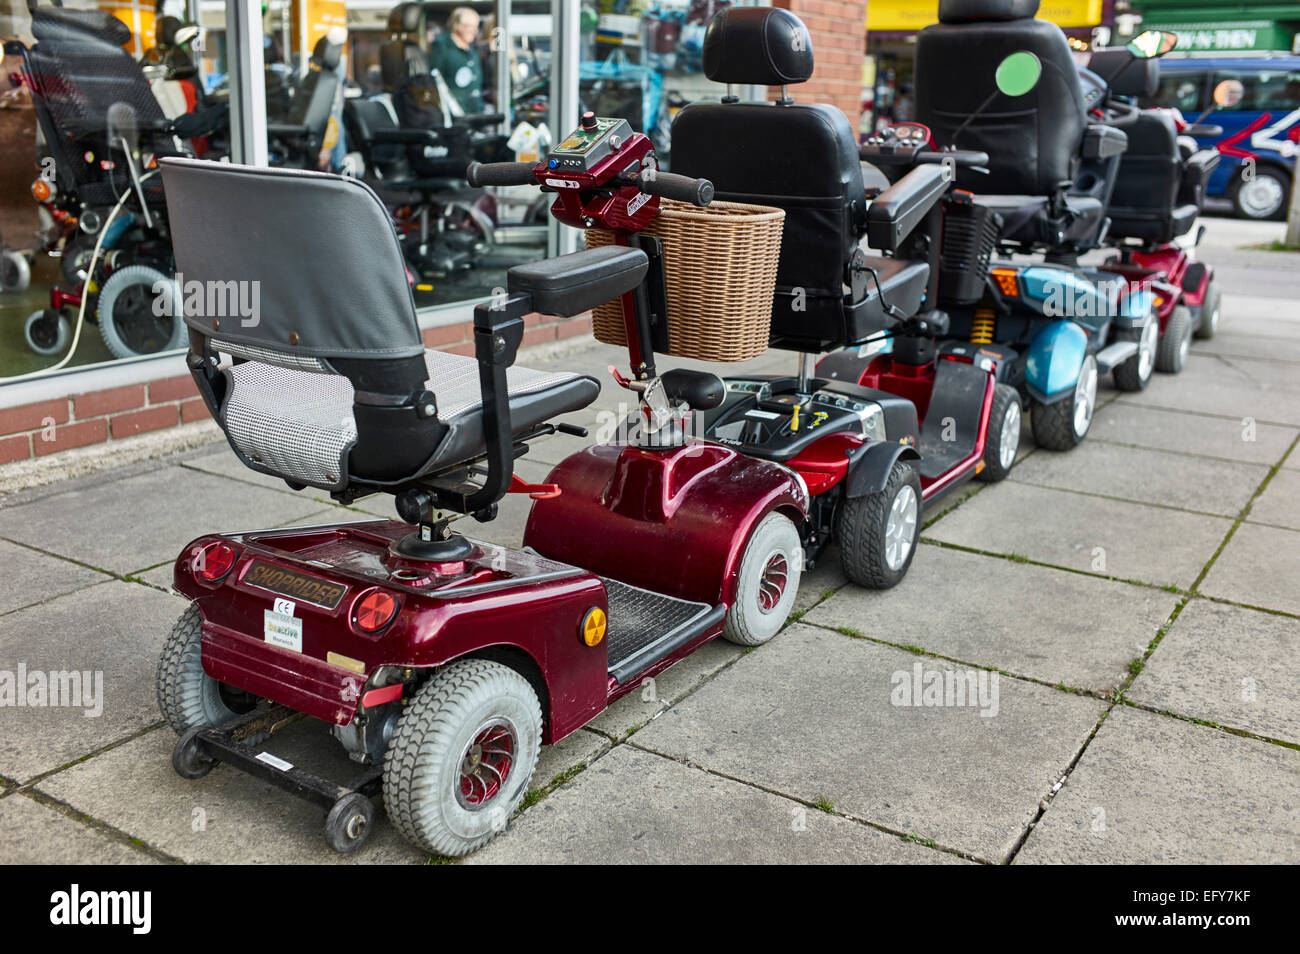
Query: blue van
pixel 1264 126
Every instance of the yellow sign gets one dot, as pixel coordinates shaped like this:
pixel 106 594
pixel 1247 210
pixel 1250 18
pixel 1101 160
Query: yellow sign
pixel 139 16
pixel 916 14
pixel 322 16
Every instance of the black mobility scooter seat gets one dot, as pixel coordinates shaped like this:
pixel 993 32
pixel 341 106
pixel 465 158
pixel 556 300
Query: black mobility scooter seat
pixel 1024 216
pixel 332 382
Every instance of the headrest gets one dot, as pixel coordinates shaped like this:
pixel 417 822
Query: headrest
pixel 326 54
pixel 1124 73
pixel 55 22
pixel 763 46
pixel 405 18
pixel 166 32
pixel 970 11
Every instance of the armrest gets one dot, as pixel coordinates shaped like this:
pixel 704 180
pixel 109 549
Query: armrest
pixel 1202 131
pixel 1103 142
pixel 570 284
pixel 286 129
pixel 479 120
pixel 410 137
pixel 894 213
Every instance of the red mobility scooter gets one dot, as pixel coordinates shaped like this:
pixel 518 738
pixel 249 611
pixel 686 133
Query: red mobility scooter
pixel 440 662
pixel 925 425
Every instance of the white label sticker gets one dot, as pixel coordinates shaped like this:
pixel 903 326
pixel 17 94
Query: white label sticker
pixel 562 184
pixel 285 607
pixel 281 630
pixel 274 761
pixel 636 202
pixel 762 415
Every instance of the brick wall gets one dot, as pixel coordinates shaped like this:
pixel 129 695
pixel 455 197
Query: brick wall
pixel 47 427
pixel 839 35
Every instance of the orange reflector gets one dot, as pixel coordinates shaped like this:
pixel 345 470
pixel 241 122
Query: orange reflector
pixel 1006 281
pixel 375 610
pixel 345 662
pixel 979 468
pixel 41 190
pixel 593 626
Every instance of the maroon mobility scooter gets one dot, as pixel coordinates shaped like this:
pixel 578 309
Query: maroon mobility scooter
pixel 440 662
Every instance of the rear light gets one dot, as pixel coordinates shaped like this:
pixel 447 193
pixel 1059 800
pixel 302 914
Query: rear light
pixel 374 611
pixel 1006 281
pixel 41 190
pixel 214 562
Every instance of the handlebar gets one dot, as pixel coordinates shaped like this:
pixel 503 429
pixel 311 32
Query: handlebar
pixel 1201 131
pixel 1121 114
pixel 961 157
pixel 669 185
pixel 500 173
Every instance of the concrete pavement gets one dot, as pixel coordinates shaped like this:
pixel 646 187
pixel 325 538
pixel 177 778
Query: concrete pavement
pixel 1127 616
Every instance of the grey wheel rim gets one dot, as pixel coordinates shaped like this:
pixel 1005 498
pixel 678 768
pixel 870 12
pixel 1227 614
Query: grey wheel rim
pixel 900 528
pixel 1260 197
pixel 1147 346
pixel 1010 436
pixel 1085 396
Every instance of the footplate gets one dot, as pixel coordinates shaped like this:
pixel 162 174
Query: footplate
pixel 644 626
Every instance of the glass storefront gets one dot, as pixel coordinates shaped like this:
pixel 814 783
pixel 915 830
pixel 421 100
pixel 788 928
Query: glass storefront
pixel 401 95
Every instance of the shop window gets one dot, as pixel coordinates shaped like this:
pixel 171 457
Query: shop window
pixel 1183 91
pixel 1271 90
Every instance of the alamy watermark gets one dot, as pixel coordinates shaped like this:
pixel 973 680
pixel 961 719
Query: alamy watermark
pixel 209 299
pixel 945 688
pixel 53 689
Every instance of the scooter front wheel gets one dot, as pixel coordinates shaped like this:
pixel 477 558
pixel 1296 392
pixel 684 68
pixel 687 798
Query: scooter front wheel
pixel 1063 424
pixel 1135 373
pixel 1002 441
pixel 15 273
pixel 878 532
pixel 1176 342
pixel 1211 311
pixel 47 332
pixel 768 582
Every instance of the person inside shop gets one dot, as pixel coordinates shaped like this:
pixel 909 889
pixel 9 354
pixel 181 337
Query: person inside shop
pixel 454 54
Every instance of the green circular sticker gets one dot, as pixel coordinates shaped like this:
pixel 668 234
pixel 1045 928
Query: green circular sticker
pixel 1018 73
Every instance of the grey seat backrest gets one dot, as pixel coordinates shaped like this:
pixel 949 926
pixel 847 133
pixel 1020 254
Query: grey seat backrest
pixel 330 277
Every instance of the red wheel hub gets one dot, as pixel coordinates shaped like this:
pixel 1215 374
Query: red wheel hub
pixel 771 586
pixel 486 765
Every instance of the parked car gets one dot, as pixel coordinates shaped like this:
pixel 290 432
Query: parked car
pixel 1263 127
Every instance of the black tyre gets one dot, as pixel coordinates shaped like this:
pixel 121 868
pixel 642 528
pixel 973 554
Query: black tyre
pixel 1176 342
pixel 768 583
pixel 878 532
pixel 462 756
pixel 1211 312
pixel 1264 196
pixel 1002 440
pixel 188 697
pixel 188 758
pixel 47 332
pixel 349 823
pixel 1063 424
pixel 1135 373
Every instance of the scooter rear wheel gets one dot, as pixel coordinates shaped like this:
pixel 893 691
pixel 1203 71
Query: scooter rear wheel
pixel 462 756
pixel 1211 310
pixel 1063 424
pixel 878 532
pixel 1135 373
pixel 187 696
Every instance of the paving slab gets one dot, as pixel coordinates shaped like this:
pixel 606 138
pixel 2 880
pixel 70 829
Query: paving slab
pixel 114 629
pixel 1261 390
pixel 35 834
pixel 651 697
pixel 1279 504
pixel 635 807
pixel 140 521
pixel 1147 476
pixel 573 750
pixel 31 577
pixel 996 613
pixel 1155 790
pixel 1190 433
pixel 1224 664
pixel 1242 344
pixel 1260 566
pixel 226 817
pixel 1126 540
pixel 822 580
pixel 1252 316
pixel 811 715
pixel 221 460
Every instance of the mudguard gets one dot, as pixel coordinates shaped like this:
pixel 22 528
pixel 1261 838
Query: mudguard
pixel 1135 308
pixel 670 521
pixel 869 467
pixel 1053 361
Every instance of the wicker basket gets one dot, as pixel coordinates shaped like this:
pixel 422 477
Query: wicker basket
pixel 720 268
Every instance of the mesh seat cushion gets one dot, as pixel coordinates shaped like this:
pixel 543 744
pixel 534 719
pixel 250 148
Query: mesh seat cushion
pixel 297 423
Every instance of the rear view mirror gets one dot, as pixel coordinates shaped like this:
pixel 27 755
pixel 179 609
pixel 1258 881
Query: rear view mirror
pixel 1152 43
pixel 1229 93
pixel 1018 73
pixel 186 34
